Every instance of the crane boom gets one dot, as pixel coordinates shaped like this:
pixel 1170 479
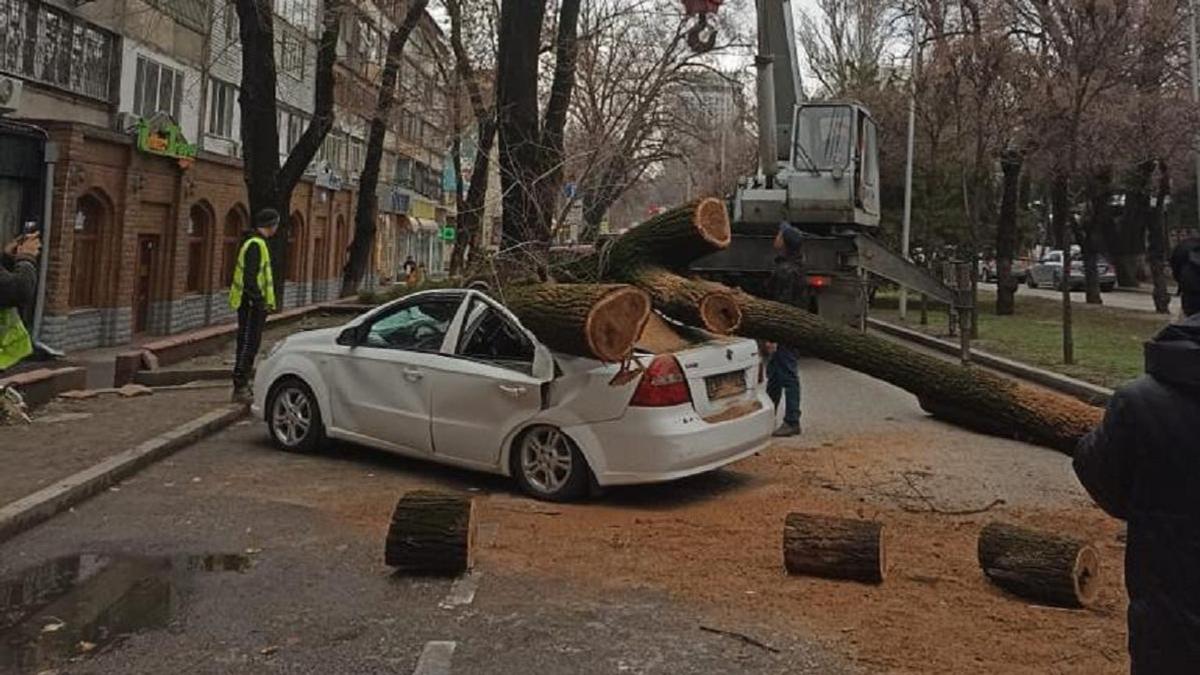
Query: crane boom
pixel 777 42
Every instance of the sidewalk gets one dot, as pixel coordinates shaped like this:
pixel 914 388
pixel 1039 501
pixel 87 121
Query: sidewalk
pixel 67 436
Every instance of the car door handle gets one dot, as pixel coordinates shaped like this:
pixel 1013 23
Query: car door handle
pixel 513 390
pixel 412 374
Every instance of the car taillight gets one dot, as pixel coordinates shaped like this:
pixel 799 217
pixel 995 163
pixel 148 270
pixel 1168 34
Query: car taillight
pixel 819 281
pixel 662 385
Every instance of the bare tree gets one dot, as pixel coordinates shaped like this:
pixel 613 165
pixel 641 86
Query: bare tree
pixel 845 42
pixel 268 184
pixel 367 207
pixel 532 145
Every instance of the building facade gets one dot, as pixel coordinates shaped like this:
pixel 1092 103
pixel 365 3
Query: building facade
pixel 139 99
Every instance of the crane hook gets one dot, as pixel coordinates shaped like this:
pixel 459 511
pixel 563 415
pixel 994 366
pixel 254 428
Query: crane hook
pixel 702 37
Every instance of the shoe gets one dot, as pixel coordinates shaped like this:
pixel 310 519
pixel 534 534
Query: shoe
pixel 787 431
pixel 242 394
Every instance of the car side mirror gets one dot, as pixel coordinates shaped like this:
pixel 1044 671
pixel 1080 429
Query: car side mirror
pixel 543 363
pixel 352 336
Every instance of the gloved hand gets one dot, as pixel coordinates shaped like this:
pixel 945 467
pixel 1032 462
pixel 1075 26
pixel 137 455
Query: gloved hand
pixel 28 247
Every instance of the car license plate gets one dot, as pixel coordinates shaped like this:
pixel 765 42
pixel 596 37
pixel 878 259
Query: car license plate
pixel 725 385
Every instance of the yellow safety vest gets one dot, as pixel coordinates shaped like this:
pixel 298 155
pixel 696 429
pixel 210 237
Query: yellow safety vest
pixel 266 283
pixel 15 343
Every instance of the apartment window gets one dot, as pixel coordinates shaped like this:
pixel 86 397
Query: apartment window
pixel 356 155
pixel 221 96
pixel 45 44
pixel 157 88
pixel 295 129
pixel 296 12
pixel 404 171
pixel 291 53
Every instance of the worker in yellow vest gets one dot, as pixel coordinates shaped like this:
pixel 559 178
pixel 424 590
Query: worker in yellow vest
pixel 18 287
pixel 252 294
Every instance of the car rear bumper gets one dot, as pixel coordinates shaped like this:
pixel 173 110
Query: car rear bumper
pixel 650 445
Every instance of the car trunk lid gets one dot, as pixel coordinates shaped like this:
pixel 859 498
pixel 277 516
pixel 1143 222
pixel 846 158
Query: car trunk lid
pixel 721 374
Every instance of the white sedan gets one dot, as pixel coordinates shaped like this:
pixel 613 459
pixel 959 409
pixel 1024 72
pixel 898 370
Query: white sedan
pixel 452 376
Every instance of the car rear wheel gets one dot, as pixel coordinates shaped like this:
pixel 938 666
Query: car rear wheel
pixel 1029 281
pixel 294 418
pixel 548 465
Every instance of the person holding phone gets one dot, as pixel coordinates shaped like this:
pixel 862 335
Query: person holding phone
pixel 18 292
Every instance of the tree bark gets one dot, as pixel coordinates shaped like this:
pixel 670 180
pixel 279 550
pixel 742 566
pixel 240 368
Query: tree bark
pixel 1158 243
pixel 1060 203
pixel 1006 233
pixel 268 184
pixel 672 239
pixel 596 321
pixel 691 301
pixel 1039 566
pixel 963 395
pixel 834 548
pixel 368 205
pixel 431 534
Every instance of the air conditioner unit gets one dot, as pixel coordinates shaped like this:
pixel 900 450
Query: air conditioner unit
pixel 10 94
pixel 125 122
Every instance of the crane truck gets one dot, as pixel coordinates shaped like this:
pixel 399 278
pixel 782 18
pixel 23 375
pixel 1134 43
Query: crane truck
pixel 818 170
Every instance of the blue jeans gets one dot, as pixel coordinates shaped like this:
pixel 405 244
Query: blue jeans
pixel 783 381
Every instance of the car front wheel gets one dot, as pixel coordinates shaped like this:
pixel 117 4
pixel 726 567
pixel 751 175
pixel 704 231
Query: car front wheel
pixel 294 418
pixel 548 465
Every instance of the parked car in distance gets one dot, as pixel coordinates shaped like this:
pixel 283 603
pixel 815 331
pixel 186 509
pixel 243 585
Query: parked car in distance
pixel 1049 270
pixel 452 376
pixel 1020 270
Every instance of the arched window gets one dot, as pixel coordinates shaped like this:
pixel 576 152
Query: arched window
pixel 231 239
pixel 199 233
pixel 296 249
pixel 91 221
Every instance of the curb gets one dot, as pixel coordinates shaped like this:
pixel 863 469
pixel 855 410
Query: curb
pixel 34 509
pixel 1084 391
pixel 170 377
pixel 43 384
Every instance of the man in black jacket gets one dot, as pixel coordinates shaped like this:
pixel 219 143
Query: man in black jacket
pixel 252 295
pixel 1142 465
pixel 789 286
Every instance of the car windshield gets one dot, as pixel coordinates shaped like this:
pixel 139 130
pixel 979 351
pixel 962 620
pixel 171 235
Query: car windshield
pixel 823 136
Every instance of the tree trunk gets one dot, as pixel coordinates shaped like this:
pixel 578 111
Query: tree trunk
pixel 672 239
pixel 1158 243
pixel 834 548
pixel 268 184
pixel 1060 203
pixel 432 534
pixel 1006 233
pixel 966 396
pixel 1038 566
pixel 1136 220
pixel 595 321
pixel 367 207
pixel 690 301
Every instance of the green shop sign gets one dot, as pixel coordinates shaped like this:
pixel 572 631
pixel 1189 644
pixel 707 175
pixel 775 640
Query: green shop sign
pixel 160 135
pixel 446 234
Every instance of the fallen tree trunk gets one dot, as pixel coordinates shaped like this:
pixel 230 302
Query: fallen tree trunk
pixel 431 534
pixel 834 548
pixel 963 395
pixel 1039 566
pixel 698 303
pixel 672 239
pixel 592 320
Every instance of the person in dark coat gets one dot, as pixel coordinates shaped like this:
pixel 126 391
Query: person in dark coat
pixel 1142 465
pixel 789 286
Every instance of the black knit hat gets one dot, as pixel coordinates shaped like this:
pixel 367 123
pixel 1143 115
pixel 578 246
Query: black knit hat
pixel 266 218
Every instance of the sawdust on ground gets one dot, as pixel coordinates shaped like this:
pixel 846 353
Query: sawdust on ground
pixel 715 541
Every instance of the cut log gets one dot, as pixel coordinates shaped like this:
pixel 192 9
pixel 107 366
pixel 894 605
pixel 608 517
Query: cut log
pixel 432 533
pixel 1038 566
pixel 834 548
pixel 691 301
pixel 596 321
pixel 672 239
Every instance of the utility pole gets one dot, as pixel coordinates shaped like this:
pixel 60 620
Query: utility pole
pixel 906 228
pixel 1195 67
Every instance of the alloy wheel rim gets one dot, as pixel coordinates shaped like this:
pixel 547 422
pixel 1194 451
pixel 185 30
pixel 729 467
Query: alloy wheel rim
pixel 292 416
pixel 546 461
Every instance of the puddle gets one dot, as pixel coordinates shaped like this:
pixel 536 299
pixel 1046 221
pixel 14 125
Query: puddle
pixel 69 608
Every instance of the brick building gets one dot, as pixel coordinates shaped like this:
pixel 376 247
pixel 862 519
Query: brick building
pixel 142 243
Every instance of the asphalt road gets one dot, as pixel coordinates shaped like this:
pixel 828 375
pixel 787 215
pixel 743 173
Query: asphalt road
pixel 1118 298
pixel 308 592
